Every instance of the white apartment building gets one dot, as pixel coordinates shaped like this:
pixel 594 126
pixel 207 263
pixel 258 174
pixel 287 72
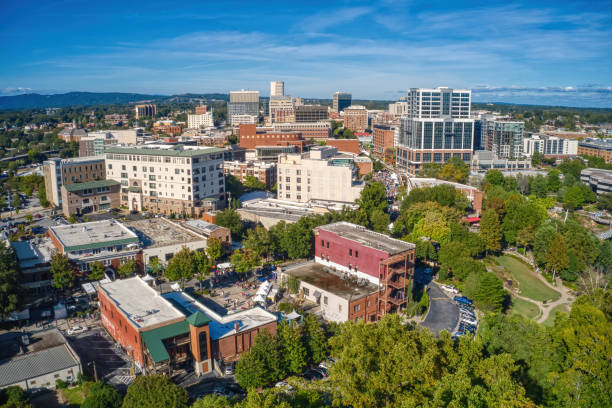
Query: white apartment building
pixel 239 119
pixel 200 121
pixel 168 178
pixel 399 108
pixel 278 103
pixel 319 175
pixel 549 146
pixel 441 102
pixel 122 136
pixel 277 88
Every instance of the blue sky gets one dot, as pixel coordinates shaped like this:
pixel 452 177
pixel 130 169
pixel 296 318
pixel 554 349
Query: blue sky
pixel 540 52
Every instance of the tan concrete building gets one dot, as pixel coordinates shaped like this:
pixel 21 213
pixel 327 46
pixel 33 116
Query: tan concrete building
pixel 60 172
pixel 168 179
pixel 356 118
pixel 321 175
pixel 92 196
pixel 145 110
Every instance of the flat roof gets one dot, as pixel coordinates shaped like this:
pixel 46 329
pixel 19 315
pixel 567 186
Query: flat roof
pixel 330 281
pixel 93 235
pixel 33 252
pixel 164 150
pixel 83 159
pixel 201 226
pixel 140 302
pixel 159 232
pixel 368 238
pixel 90 184
pixel 222 325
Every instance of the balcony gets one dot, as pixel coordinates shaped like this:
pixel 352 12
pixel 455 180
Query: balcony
pixel 397 281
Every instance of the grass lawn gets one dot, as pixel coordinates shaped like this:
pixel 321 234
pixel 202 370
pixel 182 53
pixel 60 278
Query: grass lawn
pixel 529 284
pixel 550 320
pixel 524 308
pixel 75 396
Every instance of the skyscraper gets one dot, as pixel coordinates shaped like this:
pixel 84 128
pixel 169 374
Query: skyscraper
pixel 341 101
pixel 277 88
pixel 243 103
pixel 504 138
pixel 436 127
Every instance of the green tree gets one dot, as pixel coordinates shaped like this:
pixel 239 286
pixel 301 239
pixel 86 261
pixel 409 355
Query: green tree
pixel 97 271
pixel 213 401
pixel 557 258
pixel 259 241
pixel 230 218
pixel 373 197
pixel 214 249
pixel 29 218
pixel 182 266
pixel 434 226
pixel 494 178
pixel 455 170
pixel 101 395
pixel 380 221
pixel 293 350
pixel 156 266
pixel 553 181
pixel 128 268
pixel 11 292
pixel 62 272
pixel 573 197
pixel 244 260
pixel 604 202
pixel 261 365
pixel 203 265
pixel 16 203
pixel 14 397
pixel 539 186
pixel 490 231
pixel 536 159
pixel 314 339
pixel 155 391
pixel 254 184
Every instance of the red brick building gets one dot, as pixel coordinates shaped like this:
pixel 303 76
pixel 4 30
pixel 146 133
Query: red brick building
pixel 161 332
pixel 383 138
pixel 358 273
pixel 251 137
pixel 345 145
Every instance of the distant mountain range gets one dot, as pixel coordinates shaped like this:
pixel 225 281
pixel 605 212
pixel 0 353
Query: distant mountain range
pixel 33 101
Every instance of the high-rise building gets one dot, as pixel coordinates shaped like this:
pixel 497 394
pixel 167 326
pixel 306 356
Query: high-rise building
pixel 199 121
pixel 311 113
pixel 551 146
pixel 341 101
pixel 283 104
pixel 356 118
pixel 243 103
pixel 398 108
pixel 437 127
pixel 168 179
pixel 504 138
pixel 148 110
pixel 277 88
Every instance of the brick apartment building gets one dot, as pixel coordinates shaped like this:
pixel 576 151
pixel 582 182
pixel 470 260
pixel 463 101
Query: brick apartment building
pixel 356 118
pixel 383 139
pixel 357 273
pixel 596 147
pixel 82 198
pixel 59 172
pixel 162 332
pixel 264 172
pixel 251 137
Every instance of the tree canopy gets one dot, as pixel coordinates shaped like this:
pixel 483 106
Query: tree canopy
pixel 155 391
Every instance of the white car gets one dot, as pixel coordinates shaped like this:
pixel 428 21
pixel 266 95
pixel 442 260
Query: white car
pixel 470 321
pixel 76 330
pixel 284 385
pixel 450 288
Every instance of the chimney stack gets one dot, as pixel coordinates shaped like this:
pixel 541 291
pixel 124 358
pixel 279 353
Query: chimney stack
pixel 236 326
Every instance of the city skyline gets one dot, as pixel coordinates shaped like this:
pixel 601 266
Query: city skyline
pixel 533 53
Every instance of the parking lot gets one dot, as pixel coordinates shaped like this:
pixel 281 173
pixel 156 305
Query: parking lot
pixel 111 363
pixel 443 311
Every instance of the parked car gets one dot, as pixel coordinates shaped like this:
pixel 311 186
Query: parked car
pixel 284 385
pixel 76 330
pixel 229 370
pixel 450 289
pixel 322 371
pixel 466 327
pixel 312 375
pixel 462 299
pixel 468 320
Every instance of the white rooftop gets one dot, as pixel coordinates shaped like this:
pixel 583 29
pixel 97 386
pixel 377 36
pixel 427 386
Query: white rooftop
pixel 34 252
pixel 140 303
pixel 95 232
pixel 222 326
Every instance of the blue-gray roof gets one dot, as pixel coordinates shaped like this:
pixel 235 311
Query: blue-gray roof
pixel 36 364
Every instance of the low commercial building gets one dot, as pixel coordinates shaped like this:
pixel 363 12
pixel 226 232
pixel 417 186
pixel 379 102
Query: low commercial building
pixel 211 231
pixel 37 361
pixel 310 130
pixel 92 196
pixel 34 262
pixel 107 241
pixel 262 171
pixel 484 160
pixel 596 147
pixel 252 137
pixel 162 332
pixel 161 238
pixel 345 145
pixel 322 174
pixel 383 138
pixel 363 274
pixel 72 134
pixel 598 179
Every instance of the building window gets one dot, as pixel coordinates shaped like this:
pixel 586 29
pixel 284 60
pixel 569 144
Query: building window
pixel 350 252
pixel 322 243
pixel 327 244
pixel 306 291
pixel 356 308
pixel 324 300
pixel 356 254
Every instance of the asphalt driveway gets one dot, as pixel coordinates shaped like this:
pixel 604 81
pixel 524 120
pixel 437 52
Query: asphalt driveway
pixel 443 312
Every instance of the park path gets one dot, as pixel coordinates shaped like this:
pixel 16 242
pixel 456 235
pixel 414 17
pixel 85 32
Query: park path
pixel 566 298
